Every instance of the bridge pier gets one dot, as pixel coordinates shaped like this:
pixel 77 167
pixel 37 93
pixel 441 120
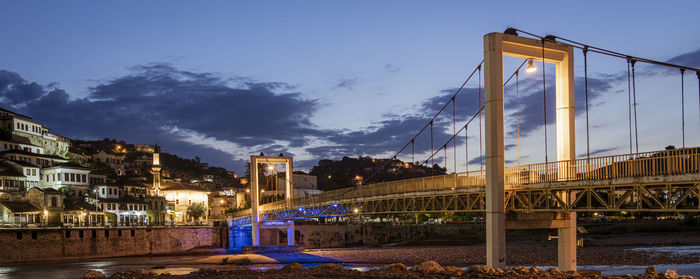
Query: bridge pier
pixel 566 246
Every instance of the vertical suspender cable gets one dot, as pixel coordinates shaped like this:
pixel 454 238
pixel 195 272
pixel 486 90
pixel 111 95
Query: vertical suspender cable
pixel 445 147
pixel 634 103
pixel 432 150
pixel 413 150
pixel 629 101
pixel 698 74
pixel 466 145
pixel 454 136
pixel 585 81
pixel 544 91
pixel 683 107
pixel 517 109
pixel 481 152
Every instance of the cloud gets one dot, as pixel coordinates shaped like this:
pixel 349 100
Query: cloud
pixel 690 59
pixel 347 83
pixel 390 68
pixel 157 100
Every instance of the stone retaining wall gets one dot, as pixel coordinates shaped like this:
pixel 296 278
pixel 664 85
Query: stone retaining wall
pixel 23 245
pixel 346 235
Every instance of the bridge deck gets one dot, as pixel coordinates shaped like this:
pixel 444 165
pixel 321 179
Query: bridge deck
pixel 651 181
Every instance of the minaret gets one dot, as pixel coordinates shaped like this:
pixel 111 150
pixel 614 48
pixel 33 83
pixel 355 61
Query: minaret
pixel 156 170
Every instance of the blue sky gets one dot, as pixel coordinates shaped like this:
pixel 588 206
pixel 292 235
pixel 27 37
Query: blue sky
pixel 321 79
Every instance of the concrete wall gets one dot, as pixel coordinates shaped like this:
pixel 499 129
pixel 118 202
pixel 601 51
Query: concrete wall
pixel 67 244
pixel 346 235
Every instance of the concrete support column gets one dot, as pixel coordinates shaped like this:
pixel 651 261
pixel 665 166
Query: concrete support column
pixel 566 248
pixel 495 163
pixel 290 232
pixel 254 202
pixel 566 155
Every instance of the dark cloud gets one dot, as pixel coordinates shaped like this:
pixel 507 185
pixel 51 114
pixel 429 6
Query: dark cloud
pixel 145 105
pixel 690 59
pixel 347 83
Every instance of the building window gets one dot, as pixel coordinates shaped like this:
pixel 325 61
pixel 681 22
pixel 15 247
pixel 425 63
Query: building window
pixel 103 191
pixel 72 177
pixel 53 202
pixel 65 177
pixel 84 178
pixel 33 172
pixel 29 172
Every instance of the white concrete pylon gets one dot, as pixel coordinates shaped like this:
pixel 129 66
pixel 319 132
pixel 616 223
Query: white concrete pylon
pixel 497 45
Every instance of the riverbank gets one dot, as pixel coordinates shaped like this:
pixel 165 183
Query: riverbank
pixel 612 254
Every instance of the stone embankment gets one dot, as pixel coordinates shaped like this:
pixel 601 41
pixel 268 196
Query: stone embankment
pixel 428 269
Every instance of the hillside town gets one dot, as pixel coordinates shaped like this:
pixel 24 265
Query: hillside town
pixel 47 180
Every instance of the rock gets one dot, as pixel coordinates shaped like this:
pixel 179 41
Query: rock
pixel 554 271
pixel 394 268
pixel 428 267
pixel 328 267
pixel 453 270
pixel 671 273
pixel 207 271
pixel 292 267
pixel 92 274
pixel 140 271
pixel 651 270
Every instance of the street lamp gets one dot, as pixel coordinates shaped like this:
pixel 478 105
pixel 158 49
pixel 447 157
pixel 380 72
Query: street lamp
pixel 530 68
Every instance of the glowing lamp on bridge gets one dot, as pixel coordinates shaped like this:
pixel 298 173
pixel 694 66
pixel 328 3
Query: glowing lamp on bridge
pixel 530 68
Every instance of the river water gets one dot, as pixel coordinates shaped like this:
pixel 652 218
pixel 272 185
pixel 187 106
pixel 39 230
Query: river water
pixel 111 266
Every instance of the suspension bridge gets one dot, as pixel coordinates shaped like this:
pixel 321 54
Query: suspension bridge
pixel 541 195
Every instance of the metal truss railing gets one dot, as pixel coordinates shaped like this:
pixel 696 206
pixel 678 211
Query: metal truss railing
pixel 647 164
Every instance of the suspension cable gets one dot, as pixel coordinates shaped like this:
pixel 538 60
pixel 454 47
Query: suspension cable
pixel 459 131
pixel 683 107
pixel 432 162
pixel 454 133
pixel 466 145
pixel 585 81
pixel 481 152
pixel 629 101
pixel 544 94
pixel 609 52
pixel 634 100
pixel 517 109
pixel 413 151
pixel 427 124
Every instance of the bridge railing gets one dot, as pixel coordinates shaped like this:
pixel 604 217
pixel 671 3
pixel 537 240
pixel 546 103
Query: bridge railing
pixel 667 162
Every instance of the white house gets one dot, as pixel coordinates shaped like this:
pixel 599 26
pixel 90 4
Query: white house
pixel 31 172
pixel 181 196
pixel 75 178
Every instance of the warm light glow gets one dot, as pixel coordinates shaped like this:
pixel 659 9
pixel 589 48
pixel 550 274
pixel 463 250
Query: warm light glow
pixel 270 167
pixel 222 201
pixel 406 165
pixel 355 210
pixel 247 190
pixel 530 68
pixel 46 212
pixel 262 191
pixel 358 178
pixel 244 181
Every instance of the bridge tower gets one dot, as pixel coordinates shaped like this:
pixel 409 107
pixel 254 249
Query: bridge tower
pixel 497 45
pixel 256 225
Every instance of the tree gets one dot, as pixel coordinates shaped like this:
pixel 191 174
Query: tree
pixel 196 210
